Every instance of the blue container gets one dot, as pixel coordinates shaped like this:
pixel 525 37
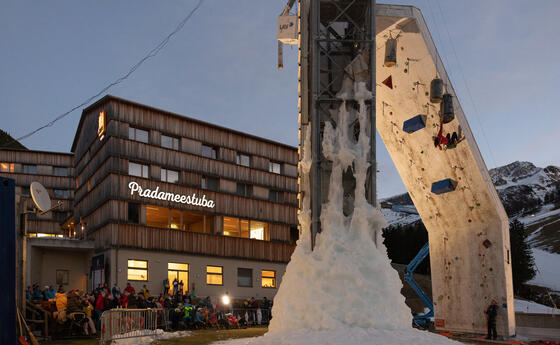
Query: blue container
pixel 444 186
pixel 416 123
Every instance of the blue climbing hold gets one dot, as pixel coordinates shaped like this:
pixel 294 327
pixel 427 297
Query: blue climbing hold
pixel 444 186
pixel 416 123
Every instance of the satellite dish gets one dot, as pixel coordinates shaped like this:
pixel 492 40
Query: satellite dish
pixel 40 196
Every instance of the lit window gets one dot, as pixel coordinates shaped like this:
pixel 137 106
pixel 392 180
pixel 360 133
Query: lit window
pixel 136 169
pixel 60 171
pixel 169 175
pixel 214 275
pixel 268 279
pixel 77 181
pixel 258 230
pixel 137 134
pixel 180 272
pixel 274 167
pixel 89 185
pixel 7 167
pixel 245 277
pixel 169 142
pixel 137 270
pixel 209 183
pixel 244 189
pixel 245 228
pixel 242 159
pixel 275 196
pixel 29 169
pixel 208 151
pixel 157 216
pixel 61 194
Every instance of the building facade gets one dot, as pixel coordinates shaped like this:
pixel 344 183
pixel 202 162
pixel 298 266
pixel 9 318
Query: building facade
pixel 151 196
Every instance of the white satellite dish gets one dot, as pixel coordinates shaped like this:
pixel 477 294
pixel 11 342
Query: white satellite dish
pixel 40 196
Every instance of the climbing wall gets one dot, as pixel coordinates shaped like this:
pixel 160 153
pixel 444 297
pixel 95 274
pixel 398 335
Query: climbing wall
pixel 451 187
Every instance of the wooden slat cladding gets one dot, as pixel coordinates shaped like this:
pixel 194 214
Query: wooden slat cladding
pixel 179 126
pixel 134 150
pixel 226 204
pixel 37 158
pixel 126 235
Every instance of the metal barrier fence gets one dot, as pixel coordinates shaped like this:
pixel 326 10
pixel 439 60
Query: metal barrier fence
pixel 127 323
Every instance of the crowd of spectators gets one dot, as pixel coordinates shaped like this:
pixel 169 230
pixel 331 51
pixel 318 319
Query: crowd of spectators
pixel 176 310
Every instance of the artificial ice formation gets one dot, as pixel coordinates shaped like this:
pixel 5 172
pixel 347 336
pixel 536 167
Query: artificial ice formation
pixel 345 290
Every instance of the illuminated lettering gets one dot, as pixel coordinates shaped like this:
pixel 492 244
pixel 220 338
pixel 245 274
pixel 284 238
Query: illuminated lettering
pixel 157 194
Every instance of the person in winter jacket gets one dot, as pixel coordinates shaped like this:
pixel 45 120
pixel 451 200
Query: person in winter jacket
pixel 146 292
pixel 116 291
pixel 50 293
pixel 492 314
pixel 61 305
pixel 88 309
pixel 73 302
pixel 129 288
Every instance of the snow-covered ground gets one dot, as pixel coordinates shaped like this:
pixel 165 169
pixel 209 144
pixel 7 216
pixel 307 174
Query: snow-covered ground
pixel 149 338
pixel 548 269
pixel 522 306
pixel 546 212
pixel 348 336
pixel 399 218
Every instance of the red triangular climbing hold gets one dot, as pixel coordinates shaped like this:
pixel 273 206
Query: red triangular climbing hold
pixel 389 82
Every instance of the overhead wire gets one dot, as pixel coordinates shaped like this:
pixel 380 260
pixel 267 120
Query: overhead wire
pixel 476 112
pixel 119 80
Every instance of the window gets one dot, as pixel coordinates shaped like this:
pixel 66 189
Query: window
pixel 274 167
pixel 244 189
pixel 60 171
pixel 208 151
pixel 89 185
pixel 61 194
pixel 209 183
pixel 214 275
pixel 275 196
pixel 157 217
pixel 268 279
pixel 245 277
pixel 258 230
pixel 7 167
pixel 169 142
pixel 62 277
pixel 136 169
pixel 29 169
pixel 242 159
pixel 77 181
pixel 137 134
pixel 133 213
pixel 171 176
pixel 245 228
pixel 180 272
pixel 137 270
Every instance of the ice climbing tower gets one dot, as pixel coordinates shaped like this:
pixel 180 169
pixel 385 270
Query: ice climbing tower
pixel 418 115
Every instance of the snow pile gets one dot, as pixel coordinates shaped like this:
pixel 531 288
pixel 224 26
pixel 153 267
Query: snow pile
pixel 347 280
pixel 522 306
pixel 548 274
pixel 149 337
pixel 348 336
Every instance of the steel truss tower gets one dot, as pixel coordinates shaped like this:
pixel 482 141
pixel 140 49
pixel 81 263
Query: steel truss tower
pixel 332 34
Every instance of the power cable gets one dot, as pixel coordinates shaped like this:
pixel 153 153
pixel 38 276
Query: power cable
pixel 477 114
pixel 119 80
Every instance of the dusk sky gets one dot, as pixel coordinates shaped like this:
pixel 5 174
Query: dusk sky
pixel 221 68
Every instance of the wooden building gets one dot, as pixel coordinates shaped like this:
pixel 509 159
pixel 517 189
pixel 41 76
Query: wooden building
pixel 164 196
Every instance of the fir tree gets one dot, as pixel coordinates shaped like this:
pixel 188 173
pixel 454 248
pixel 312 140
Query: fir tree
pixel 522 261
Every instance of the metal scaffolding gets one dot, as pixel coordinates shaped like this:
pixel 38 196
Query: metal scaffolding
pixel 332 34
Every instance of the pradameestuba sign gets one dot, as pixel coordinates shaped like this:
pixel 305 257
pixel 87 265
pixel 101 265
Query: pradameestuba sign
pixel 156 194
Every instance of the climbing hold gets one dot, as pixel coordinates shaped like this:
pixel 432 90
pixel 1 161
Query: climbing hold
pixel 388 82
pixel 444 186
pixel 436 90
pixel 416 123
pixel 447 111
pixel 390 52
pixel 487 243
pixel 405 70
